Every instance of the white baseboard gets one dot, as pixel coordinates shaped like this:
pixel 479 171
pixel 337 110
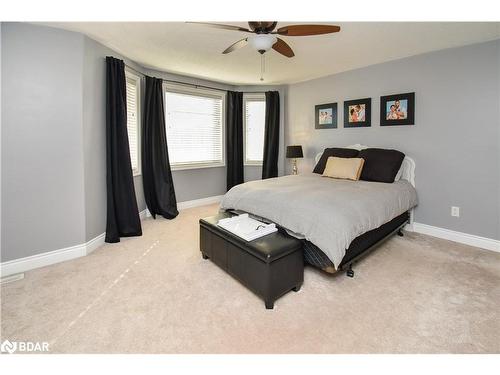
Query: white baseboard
pixel 188 204
pixel 94 243
pixel 199 202
pixel 11 278
pixel 451 235
pixel 41 260
pixel 52 257
pixel 98 241
pixel 144 214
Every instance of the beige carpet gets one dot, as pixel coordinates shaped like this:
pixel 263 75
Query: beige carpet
pixel 155 294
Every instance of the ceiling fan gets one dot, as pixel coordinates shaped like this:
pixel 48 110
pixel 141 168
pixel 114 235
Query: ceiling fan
pixel 263 38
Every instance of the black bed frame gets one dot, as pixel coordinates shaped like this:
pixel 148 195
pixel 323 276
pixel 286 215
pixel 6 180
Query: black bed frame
pixel 370 240
pixel 364 244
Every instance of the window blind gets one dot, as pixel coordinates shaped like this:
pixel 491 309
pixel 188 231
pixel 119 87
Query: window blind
pixel 132 121
pixel 194 129
pixel 255 116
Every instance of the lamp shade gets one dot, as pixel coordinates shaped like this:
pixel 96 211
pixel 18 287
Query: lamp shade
pixel 262 42
pixel 294 152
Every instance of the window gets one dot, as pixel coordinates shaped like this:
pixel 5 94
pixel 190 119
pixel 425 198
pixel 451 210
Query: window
pixel 195 127
pixel 254 116
pixel 133 83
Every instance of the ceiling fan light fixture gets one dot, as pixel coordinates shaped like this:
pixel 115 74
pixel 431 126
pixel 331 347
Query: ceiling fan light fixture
pixel 262 42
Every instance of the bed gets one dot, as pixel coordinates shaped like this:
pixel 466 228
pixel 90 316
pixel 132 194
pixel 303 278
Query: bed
pixel 338 220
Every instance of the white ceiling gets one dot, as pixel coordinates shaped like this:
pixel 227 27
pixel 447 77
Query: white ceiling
pixel 195 50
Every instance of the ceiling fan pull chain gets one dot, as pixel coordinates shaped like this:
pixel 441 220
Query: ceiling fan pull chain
pixel 262 66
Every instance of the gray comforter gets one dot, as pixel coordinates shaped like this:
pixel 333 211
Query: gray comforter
pixel 328 212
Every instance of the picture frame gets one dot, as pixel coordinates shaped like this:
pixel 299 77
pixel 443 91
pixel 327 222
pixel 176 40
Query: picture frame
pixel 398 109
pixel 358 113
pixel 326 116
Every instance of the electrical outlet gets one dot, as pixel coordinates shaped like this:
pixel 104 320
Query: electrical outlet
pixel 455 211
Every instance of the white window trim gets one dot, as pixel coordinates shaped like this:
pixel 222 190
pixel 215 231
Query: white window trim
pixel 250 97
pixel 193 90
pixel 138 79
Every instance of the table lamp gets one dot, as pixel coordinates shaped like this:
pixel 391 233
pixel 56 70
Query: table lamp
pixel 294 152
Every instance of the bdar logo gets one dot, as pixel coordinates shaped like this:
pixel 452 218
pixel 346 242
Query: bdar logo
pixel 8 347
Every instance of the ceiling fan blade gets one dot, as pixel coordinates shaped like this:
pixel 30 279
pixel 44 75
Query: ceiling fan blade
pixel 303 30
pixel 221 26
pixel 235 46
pixel 282 47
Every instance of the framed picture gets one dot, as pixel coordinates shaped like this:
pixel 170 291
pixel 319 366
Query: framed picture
pixel 326 116
pixel 397 109
pixel 358 113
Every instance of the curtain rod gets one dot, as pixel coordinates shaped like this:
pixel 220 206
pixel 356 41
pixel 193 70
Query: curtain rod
pixel 190 84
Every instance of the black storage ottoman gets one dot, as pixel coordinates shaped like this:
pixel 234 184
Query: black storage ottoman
pixel 270 266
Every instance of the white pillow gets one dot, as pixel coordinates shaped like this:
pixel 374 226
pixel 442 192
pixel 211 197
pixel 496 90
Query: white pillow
pixel 357 146
pixel 399 174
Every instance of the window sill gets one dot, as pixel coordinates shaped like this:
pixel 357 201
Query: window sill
pixel 195 166
pixel 253 164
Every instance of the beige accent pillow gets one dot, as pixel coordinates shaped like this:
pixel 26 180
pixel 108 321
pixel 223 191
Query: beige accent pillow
pixel 345 168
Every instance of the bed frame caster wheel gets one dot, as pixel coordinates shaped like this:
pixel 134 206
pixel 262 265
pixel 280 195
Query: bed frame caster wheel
pixel 269 305
pixel 350 272
pixel 204 256
pixel 297 288
pixel 400 233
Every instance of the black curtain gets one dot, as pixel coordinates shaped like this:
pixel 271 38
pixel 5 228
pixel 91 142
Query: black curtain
pixel 156 174
pixel 122 213
pixel 234 138
pixel 271 135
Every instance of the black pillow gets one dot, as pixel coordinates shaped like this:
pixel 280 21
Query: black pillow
pixel 337 152
pixel 380 165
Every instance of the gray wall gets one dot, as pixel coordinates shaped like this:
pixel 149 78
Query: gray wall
pixel 189 184
pixel 53 135
pixel 42 159
pixel 455 142
pixel 53 141
pixel 0 140
pixel 94 137
pixel 498 132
